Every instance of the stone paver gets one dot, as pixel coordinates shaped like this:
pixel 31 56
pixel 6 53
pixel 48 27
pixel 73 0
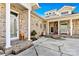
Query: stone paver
pixel 1 52
pixel 49 47
pixel 43 51
pixel 28 52
pixel 71 47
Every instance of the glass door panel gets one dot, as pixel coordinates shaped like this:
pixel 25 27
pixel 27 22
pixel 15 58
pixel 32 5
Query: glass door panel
pixel 13 24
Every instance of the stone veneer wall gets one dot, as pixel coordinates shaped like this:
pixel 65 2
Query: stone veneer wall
pixel 75 26
pixel 45 27
pixel 2 23
pixel 66 27
pixel 23 18
pixel 36 24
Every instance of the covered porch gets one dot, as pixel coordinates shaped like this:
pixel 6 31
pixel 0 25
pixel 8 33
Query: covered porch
pixel 17 26
pixel 68 27
pixel 16 23
pixel 59 27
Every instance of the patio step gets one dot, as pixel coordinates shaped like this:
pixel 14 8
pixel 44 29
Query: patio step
pixel 2 48
pixel 1 52
pixel 18 47
pixel 21 47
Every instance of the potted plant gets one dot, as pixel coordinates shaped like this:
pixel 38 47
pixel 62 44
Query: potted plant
pixel 33 33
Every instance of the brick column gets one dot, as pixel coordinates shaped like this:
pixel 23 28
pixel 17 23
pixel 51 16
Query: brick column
pixel 8 39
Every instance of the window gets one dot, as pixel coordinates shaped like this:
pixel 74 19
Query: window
pixel 65 13
pixel 46 14
pixel 36 24
pixel 53 14
pixel 49 13
pixel 14 24
pixel 15 14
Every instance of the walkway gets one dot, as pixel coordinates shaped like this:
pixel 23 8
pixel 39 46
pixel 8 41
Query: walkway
pixel 52 47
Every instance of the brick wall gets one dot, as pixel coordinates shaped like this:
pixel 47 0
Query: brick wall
pixel 76 26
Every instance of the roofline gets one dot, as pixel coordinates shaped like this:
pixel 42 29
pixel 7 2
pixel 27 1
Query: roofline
pixel 37 15
pixel 65 6
pixel 64 16
pixel 57 17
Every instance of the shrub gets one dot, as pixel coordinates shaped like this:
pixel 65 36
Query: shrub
pixel 33 33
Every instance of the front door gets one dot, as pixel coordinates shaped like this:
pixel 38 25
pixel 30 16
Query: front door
pixel 14 25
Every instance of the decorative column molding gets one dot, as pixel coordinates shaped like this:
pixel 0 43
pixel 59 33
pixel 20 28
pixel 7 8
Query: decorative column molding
pixel 58 27
pixel 47 27
pixel 71 27
pixel 8 40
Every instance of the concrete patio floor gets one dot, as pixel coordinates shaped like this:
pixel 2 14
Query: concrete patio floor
pixel 50 47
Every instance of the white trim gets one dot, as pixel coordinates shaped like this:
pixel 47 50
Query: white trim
pixel 58 27
pixel 26 5
pixel 48 27
pixel 8 40
pixel 71 27
pixel 14 11
pixel 15 38
pixel 29 13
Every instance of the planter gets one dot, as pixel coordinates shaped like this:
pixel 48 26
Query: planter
pixel 33 38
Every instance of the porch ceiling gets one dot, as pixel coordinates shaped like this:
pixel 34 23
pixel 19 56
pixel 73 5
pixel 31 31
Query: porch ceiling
pixel 19 6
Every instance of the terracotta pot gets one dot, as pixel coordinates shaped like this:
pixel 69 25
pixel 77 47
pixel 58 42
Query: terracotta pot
pixel 21 36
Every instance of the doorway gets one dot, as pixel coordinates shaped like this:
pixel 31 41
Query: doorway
pixel 14 27
pixel 54 27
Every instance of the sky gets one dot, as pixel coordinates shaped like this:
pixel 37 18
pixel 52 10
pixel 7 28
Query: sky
pixel 51 6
